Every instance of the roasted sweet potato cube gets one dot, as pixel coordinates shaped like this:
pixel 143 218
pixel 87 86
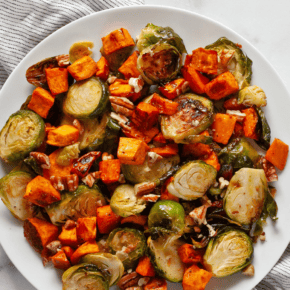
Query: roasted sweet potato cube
pixel 120 88
pixel 110 170
pixel 277 153
pixel 160 138
pixel 223 127
pixel 166 151
pixel 212 159
pixel 60 260
pixel 189 255
pixel 107 220
pixel 103 69
pixel 41 102
pixel 223 85
pixel 250 123
pixel 196 149
pixel 86 229
pixel 173 89
pixel 68 237
pixel 156 283
pixel 140 220
pixel 83 68
pixel 116 40
pixel 204 60
pixel 196 80
pixel 145 135
pixel 62 136
pixel 84 249
pixel 57 80
pixel 164 106
pixel 232 104
pixel 145 116
pixel 68 251
pixel 132 151
pixel 40 192
pixel 129 67
pixel 145 267
pixel 39 233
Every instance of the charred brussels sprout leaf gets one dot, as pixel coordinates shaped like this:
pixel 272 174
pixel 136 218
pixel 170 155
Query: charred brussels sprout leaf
pixel 128 245
pixel 167 215
pixel 33 165
pixel 234 60
pixel 22 133
pixel 86 99
pixel 229 252
pixel 165 258
pixel 124 202
pixel 245 196
pixel 84 276
pixel 194 115
pixel 12 190
pixel 151 34
pixel 192 180
pixel 82 202
pixel 264 130
pixel 252 96
pixel 110 265
pixel 67 154
pixel 159 62
pixel 149 171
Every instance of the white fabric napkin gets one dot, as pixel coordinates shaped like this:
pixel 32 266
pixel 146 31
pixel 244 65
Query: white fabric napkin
pixel 23 24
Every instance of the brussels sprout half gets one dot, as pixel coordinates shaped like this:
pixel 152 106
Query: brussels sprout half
pixel 151 34
pixel 194 115
pixel 149 171
pixel 84 277
pixel 167 215
pixel 228 252
pixel 12 189
pixel 245 195
pixel 238 63
pixel 165 258
pixel 252 96
pixel 192 180
pixel 86 99
pixel 159 62
pixel 110 265
pixel 22 133
pixel 80 203
pixel 124 202
pixel 128 245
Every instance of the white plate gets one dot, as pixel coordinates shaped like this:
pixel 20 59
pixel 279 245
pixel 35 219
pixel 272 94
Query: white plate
pixel 196 31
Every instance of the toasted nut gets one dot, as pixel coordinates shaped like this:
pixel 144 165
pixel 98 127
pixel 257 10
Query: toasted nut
pixel 122 110
pixel 124 102
pixel 150 197
pixel 144 188
pixel 238 114
pixel 137 84
pixel 143 281
pixel 249 270
pixel 68 182
pixel 41 159
pixel 111 79
pixel 54 246
pixel 129 280
pixel 90 179
pixel 62 60
pixel 122 178
pixel 120 118
pixel 198 214
pixel 79 126
pixel 263 237
pixel 270 170
pixel 69 224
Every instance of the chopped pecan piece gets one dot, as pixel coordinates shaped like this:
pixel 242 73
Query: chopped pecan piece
pixel 68 182
pixel 62 60
pixel 69 224
pixel 238 114
pixel 54 246
pixel 120 118
pixel 270 170
pixel 82 166
pixel 41 159
pixel 249 270
pixel 150 197
pixel 144 188
pixel 90 179
pixel 79 126
pixel 122 105
pixel 129 280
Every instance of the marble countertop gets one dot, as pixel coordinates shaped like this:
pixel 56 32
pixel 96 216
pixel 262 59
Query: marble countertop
pixel 264 23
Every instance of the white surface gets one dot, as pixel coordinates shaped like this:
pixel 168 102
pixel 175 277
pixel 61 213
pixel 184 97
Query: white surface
pixel 264 23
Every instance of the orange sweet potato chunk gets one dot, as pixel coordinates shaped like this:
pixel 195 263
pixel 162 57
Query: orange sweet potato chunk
pixel 196 149
pixel 107 220
pixel 145 267
pixel 173 89
pixel 212 159
pixel 40 192
pixel 166 151
pixel 223 127
pixel 68 237
pixel 163 105
pixel 110 170
pixel 62 136
pixel 57 80
pixel 145 116
pixel 165 195
pixel 84 249
pixel 83 68
pixel 277 154
pixel 116 40
pixel 129 67
pixel 60 260
pixel 39 233
pixel 102 70
pixel 140 220
pixel 156 283
pixel 189 255
pixel 223 85
pixel 250 123
pixel 86 229
pixel 132 151
pixel 41 102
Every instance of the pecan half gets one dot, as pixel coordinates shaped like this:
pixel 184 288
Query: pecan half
pixel 120 118
pixel 270 170
pixel 90 179
pixel 62 60
pixel 41 159
pixel 144 188
pixel 68 182
pixel 129 280
pixel 122 105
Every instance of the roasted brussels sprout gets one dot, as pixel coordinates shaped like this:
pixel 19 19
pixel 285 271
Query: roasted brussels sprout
pixel 151 34
pixel 86 99
pixel 264 131
pixel 231 58
pixel 194 115
pixel 165 258
pixel 159 62
pixel 124 202
pixel 110 265
pixel 84 276
pixel 128 245
pixel 240 153
pixel 166 216
pixel 192 180
pixel 252 96
pixel 245 195
pixel 22 133
pixel 80 203
pixel 228 252
pixel 149 171
pixel 12 189
pixel 67 154
pixel 80 49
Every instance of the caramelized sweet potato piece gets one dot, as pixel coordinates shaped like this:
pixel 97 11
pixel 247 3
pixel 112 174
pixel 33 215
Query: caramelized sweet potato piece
pixel 57 80
pixel 86 229
pixel 129 67
pixel 107 220
pixel 166 151
pixel 145 267
pixel 68 251
pixel 62 136
pixel 173 89
pixel 232 104
pixel 189 255
pixel 110 170
pixel 165 195
pixel 156 283
pixel 160 138
pixel 196 149
pixel 83 68
pixel 60 260
pixel 205 60
pixel 163 105
pixel 145 116
pixel 140 220
pixel 277 153
pixel 68 236
pixel 84 249
pixel 103 69
pixel 250 123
